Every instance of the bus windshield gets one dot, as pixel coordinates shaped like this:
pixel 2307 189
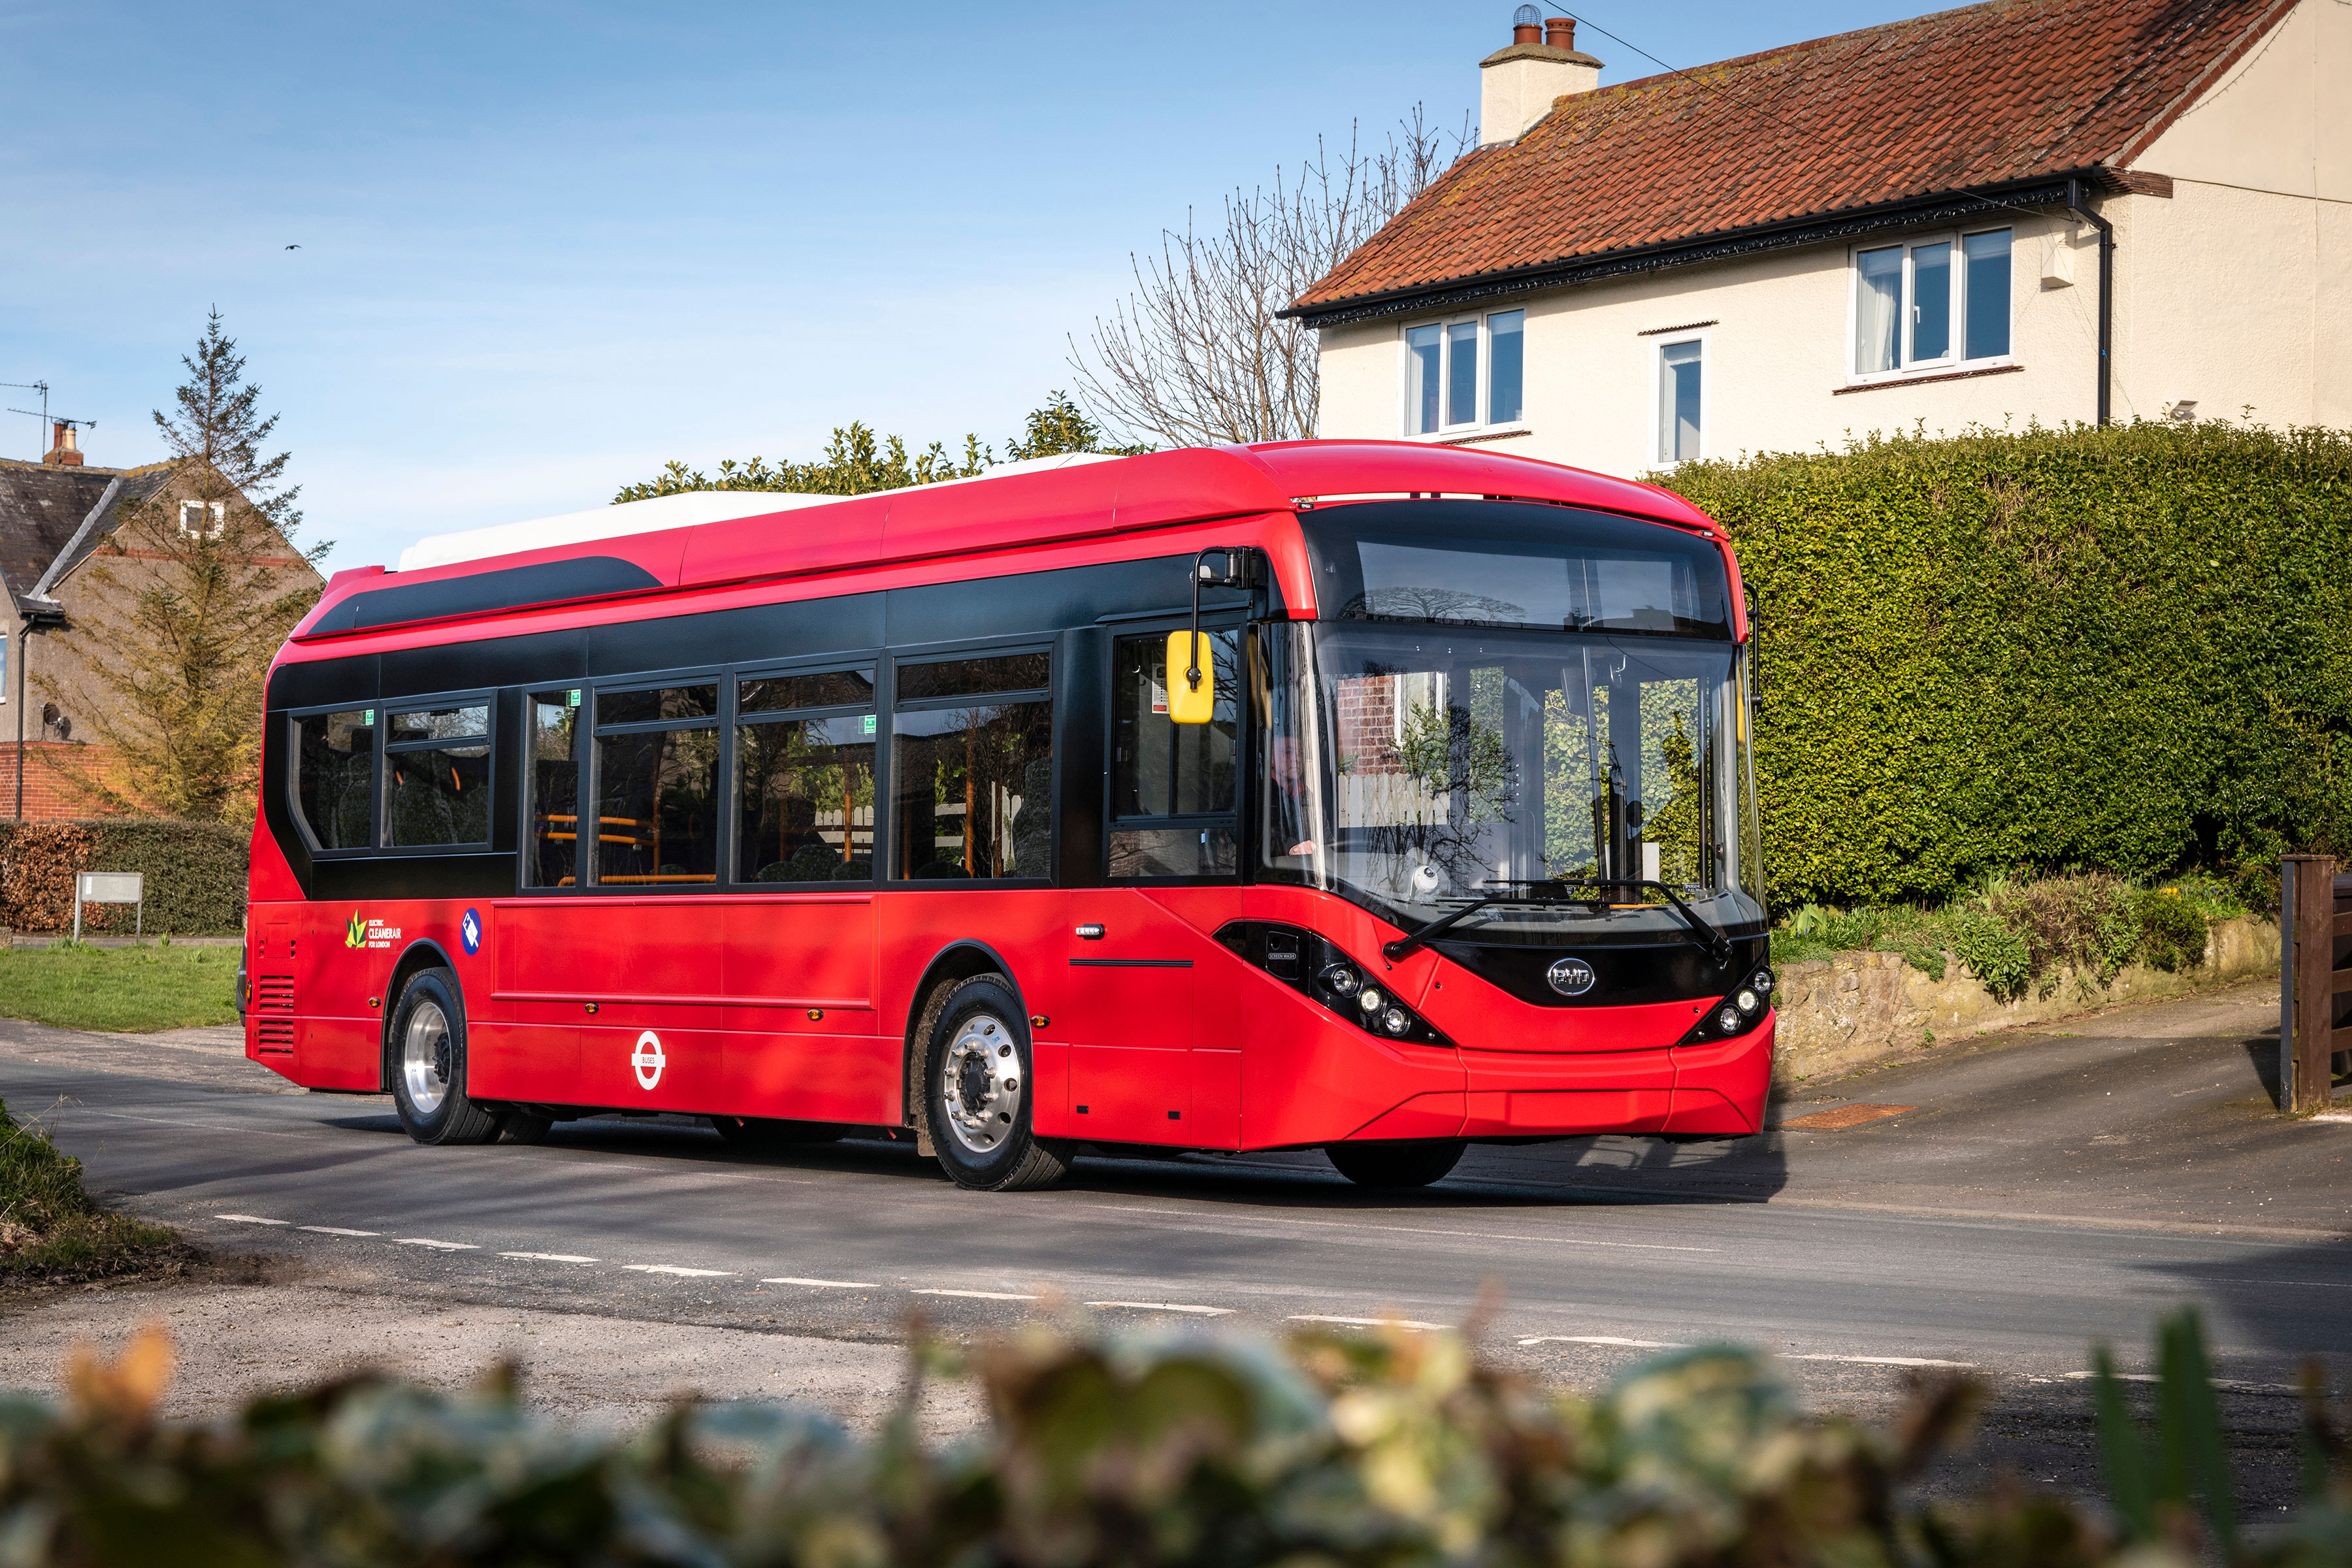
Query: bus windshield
pixel 1414 769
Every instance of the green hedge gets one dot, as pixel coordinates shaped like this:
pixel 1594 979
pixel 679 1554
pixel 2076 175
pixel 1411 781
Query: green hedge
pixel 2126 650
pixel 195 874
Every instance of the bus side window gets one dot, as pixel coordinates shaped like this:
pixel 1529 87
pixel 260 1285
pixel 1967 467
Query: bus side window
pixel 1171 785
pixel 551 780
pixel 973 769
pixel 438 777
pixel 334 777
pixel 805 777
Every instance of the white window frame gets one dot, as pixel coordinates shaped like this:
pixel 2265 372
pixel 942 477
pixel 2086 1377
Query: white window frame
pixel 212 531
pixel 1658 347
pixel 1907 310
pixel 1485 392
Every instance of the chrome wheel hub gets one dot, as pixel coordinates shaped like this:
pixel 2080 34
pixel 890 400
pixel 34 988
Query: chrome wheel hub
pixel 980 1084
pixel 425 1058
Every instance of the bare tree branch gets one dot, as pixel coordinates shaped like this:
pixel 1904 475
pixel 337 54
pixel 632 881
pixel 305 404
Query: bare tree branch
pixel 1195 355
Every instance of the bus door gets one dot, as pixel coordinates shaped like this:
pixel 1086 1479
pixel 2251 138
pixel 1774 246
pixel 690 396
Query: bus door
pixel 1154 1054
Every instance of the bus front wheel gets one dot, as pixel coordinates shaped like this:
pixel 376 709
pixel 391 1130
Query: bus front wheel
pixel 1394 1164
pixel 428 1064
pixel 976 1086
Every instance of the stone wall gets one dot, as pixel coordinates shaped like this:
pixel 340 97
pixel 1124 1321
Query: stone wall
pixel 1856 1008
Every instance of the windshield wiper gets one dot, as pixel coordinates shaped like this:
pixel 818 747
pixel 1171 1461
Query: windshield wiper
pixel 1718 946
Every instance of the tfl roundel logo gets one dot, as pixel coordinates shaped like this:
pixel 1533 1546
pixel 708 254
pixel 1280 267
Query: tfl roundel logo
pixel 1569 976
pixel 469 931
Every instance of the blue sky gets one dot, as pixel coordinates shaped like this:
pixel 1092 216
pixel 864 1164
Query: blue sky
pixel 545 247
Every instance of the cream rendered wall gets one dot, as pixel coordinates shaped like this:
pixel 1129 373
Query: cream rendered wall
pixel 1776 359
pixel 2251 254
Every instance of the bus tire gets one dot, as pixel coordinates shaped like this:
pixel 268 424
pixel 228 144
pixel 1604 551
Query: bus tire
pixel 428 1064
pixel 1394 1164
pixel 516 1126
pixel 977 1073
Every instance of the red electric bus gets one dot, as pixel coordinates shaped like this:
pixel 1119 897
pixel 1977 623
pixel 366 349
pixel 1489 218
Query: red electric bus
pixel 814 814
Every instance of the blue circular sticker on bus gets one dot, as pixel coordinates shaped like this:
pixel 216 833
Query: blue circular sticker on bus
pixel 469 931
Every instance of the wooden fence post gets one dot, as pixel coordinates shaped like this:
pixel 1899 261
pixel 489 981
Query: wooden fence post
pixel 2309 982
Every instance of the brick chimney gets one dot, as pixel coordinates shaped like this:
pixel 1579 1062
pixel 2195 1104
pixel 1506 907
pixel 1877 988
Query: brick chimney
pixel 1518 84
pixel 64 448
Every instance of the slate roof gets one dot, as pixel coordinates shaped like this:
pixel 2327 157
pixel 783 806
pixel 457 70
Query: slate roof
pixel 1988 95
pixel 45 511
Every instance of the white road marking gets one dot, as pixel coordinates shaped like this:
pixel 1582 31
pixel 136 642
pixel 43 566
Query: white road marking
pixel 1882 1360
pixel 979 1295
pixel 1418 1230
pixel 1603 1340
pixel 2233 1385
pixel 1167 1307
pixel 827 1284
pixel 335 1230
pixel 681 1273
pixel 443 1245
pixel 549 1256
pixel 1364 1322
pixel 251 1219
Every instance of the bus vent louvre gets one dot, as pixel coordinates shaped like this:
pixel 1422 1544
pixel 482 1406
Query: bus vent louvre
pixel 274 993
pixel 275 1036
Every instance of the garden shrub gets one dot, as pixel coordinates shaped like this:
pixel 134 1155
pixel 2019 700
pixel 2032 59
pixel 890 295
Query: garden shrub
pixel 1402 1451
pixel 2173 930
pixel 2124 649
pixel 195 874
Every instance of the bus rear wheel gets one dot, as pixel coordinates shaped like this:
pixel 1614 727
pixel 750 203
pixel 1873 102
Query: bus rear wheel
pixel 1394 1164
pixel 428 1064
pixel 976 1078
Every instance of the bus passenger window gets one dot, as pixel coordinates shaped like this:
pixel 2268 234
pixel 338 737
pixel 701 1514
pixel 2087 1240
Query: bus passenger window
pixel 973 768
pixel 334 775
pixel 658 787
pixel 551 858
pixel 804 765
pixel 438 777
pixel 1162 769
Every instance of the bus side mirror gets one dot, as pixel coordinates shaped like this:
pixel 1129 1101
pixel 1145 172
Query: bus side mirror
pixel 1188 703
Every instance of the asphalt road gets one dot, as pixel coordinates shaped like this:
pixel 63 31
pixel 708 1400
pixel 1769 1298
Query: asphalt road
pixel 2050 1189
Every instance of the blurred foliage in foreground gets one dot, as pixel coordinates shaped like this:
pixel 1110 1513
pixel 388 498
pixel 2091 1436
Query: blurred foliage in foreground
pixel 1388 1452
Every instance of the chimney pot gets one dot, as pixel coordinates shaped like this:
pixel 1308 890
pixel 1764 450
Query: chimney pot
pixel 1518 84
pixel 64 448
pixel 1527 25
pixel 1560 32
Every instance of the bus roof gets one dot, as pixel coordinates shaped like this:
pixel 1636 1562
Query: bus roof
pixel 707 538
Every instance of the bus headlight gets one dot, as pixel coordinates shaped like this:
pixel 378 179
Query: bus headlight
pixel 1396 1021
pixel 1371 1001
pixel 1746 1002
pixel 1762 982
pixel 1341 979
pixel 1728 1021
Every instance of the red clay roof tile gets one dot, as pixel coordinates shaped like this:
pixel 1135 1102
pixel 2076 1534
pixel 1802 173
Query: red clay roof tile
pixel 2008 91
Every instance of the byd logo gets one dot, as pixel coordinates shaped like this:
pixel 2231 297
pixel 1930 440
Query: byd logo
pixel 1569 976
pixel 648 1060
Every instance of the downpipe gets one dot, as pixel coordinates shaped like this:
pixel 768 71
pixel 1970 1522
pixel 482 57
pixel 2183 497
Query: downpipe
pixel 2107 296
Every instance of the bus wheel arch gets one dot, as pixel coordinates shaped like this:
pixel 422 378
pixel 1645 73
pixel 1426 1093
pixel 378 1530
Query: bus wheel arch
pixel 956 963
pixel 420 955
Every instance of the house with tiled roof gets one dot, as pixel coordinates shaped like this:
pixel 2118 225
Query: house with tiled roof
pixel 2052 210
pixel 57 515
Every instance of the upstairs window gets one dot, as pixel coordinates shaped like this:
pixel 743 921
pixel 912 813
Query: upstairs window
pixel 203 520
pixel 1933 303
pixel 1464 374
pixel 1681 400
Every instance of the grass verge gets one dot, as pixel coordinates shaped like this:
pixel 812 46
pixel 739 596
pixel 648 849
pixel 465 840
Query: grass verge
pixel 119 988
pixel 51 1227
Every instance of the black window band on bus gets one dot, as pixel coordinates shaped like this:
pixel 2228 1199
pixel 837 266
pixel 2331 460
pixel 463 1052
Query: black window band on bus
pixel 508 589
